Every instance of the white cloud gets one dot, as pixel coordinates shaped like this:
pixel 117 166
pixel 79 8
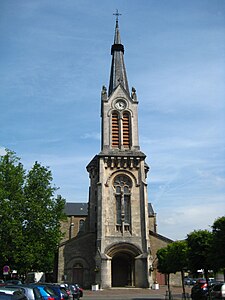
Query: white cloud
pixel 184 219
pixel 92 135
pixel 2 151
pixel 62 161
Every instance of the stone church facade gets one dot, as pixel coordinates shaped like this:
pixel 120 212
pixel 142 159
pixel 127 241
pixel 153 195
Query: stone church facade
pixel 112 240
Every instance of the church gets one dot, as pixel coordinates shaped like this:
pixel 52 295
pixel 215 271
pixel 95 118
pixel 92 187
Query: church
pixel 112 240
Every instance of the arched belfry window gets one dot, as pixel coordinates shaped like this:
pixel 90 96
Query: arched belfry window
pixel 126 130
pixel 121 130
pixel 122 186
pixel 115 130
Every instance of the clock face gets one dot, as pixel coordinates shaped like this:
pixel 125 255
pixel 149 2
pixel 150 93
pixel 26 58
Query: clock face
pixel 120 104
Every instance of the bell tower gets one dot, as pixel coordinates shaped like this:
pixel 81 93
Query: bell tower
pixel 118 201
pixel 118 107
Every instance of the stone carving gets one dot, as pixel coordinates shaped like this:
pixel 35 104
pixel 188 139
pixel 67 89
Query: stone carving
pixel 133 94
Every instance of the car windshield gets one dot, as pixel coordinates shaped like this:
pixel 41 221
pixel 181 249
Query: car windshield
pixel 217 287
pixel 50 291
pixel 37 294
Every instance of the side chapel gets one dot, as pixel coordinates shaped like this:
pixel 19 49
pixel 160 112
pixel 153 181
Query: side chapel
pixel 112 240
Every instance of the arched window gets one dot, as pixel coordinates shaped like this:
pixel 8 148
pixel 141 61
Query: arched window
pixel 115 130
pixel 122 186
pixel 126 130
pixel 81 225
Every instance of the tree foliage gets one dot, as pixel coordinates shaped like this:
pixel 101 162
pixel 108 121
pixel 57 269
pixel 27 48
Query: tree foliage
pixel 30 216
pixel 218 244
pixel 199 247
pixel 172 259
pixel 12 178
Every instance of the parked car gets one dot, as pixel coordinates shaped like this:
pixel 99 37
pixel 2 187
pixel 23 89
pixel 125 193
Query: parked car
pixel 46 292
pixel 189 281
pixel 75 292
pixel 71 294
pixel 218 291
pixel 212 282
pixel 200 290
pixel 11 294
pixel 33 277
pixel 77 288
pixel 60 291
pixel 2 282
pixel 10 289
pixel 64 293
pixel 16 295
pixel 13 281
pixel 31 292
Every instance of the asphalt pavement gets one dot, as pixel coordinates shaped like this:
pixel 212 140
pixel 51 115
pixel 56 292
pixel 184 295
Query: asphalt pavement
pixel 136 294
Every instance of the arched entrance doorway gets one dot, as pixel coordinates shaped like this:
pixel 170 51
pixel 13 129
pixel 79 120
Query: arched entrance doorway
pixel 122 270
pixel 78 272
pixel 124 258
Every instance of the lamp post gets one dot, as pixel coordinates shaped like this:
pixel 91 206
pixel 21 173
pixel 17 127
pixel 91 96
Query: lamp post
pixel 71 230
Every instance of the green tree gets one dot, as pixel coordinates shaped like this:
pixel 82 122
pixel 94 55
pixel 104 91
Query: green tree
pixel 30 216
pixel 173 259
pixel 199 247
pixel 41 219
pixel 178 258
pixel 218 244
pixel 164 264
pixel 12 178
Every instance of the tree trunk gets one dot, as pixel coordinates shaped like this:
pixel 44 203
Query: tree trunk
pixel 182 278
pixel 207 280
pixel 168 284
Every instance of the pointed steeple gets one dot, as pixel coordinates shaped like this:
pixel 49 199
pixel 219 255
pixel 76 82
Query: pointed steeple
pixel 118 71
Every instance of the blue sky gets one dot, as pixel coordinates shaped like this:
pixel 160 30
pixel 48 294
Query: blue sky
pixel 54 59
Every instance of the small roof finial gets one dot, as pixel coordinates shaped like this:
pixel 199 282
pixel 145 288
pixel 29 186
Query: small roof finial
pixel 117 14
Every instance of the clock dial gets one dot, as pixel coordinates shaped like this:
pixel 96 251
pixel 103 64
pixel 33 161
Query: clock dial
pixel 120 105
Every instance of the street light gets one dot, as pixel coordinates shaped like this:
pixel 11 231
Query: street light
pixel 71 230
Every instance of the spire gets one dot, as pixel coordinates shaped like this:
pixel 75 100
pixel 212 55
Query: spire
pixel 118 71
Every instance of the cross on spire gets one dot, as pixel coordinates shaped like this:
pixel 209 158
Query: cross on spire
pixel 117 14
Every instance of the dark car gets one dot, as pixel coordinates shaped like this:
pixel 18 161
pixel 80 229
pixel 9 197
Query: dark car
pixel 200 290
pixel 189 281
pixel 13 281
pixel 218 291
pixel 64 293
pixel 75 291
pixel 2 282
pixel 73 294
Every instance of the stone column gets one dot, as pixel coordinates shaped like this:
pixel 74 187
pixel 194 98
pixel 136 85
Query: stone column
pixel 141 271
pixel 106 273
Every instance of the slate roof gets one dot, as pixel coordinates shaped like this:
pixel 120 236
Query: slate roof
pixel 76 209
pixel 118 75
pixel 160 237
pixel 150 210
pixel 81 209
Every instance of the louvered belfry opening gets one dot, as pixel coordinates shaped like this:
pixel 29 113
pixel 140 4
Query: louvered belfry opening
pixel 126 130
pixel 115 130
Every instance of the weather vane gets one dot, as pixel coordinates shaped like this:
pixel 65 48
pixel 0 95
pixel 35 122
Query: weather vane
pixel 117 14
